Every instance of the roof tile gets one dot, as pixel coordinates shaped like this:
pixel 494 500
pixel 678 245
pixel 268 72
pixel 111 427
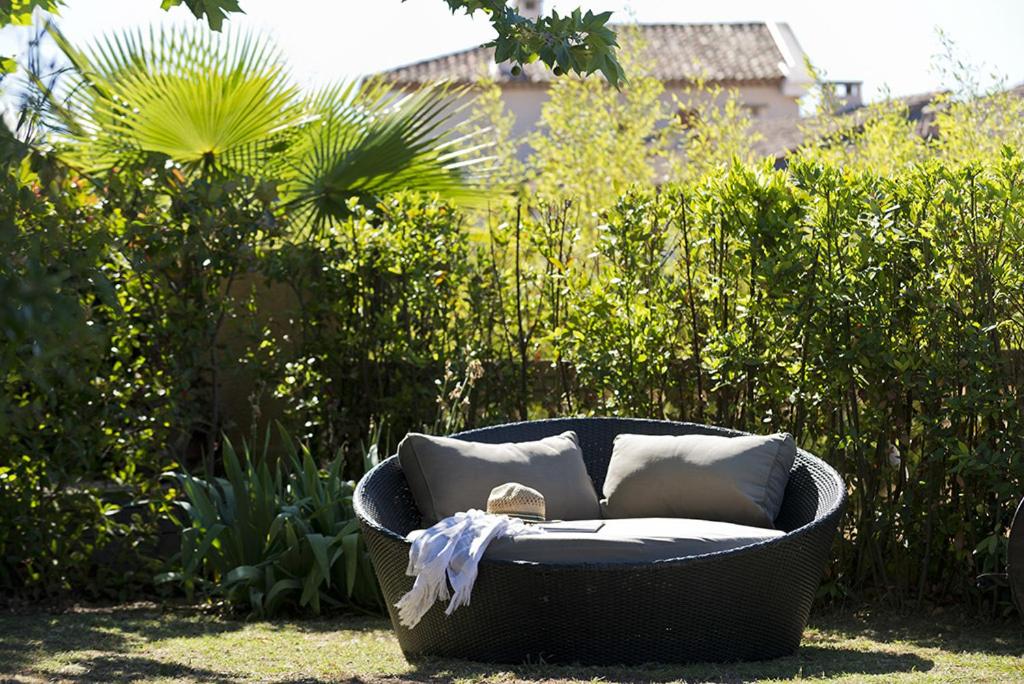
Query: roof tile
pixel 724 53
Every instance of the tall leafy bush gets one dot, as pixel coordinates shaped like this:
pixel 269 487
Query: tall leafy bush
pixel 378 311
pixel 877 318
pixel 70 442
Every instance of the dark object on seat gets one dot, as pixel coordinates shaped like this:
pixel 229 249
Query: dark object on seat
pixel 749 603
pixel 1014 575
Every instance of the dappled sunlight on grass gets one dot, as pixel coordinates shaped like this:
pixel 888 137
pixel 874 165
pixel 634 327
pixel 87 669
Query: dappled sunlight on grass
pixel 142 644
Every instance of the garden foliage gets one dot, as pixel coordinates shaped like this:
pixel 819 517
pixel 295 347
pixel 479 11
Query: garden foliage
pixel 64 417
pixel 274 534
pixel 868 298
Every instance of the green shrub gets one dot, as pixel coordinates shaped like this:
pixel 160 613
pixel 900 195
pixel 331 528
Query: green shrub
pixel 378 311
pixel 63 451
pixel 593 141
pixel 175 263
pixel 621 310
pixel 274 534
pixel 876 318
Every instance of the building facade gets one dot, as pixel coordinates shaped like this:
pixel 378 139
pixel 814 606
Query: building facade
pixel 761 61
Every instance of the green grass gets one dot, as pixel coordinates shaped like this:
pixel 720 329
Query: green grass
pixel 143 644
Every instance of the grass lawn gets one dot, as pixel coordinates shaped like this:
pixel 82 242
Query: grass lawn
pixel 143 644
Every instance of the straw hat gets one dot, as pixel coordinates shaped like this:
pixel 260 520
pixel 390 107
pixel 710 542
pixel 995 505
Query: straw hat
pixel 517 501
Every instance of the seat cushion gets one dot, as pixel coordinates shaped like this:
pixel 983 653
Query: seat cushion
pixel 740 480
pixel 627 540
pixel 448 475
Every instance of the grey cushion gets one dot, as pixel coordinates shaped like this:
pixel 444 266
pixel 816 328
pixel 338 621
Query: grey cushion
pixel 628 540
pixel 450 475
pixel 740 480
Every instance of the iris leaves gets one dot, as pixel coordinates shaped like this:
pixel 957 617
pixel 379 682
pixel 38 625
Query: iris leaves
pixel 272 537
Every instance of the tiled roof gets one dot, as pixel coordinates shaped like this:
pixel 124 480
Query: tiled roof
pixel 723 53
pixel 719 52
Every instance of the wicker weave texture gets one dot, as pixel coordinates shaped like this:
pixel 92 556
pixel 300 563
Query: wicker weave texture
pixel 745 604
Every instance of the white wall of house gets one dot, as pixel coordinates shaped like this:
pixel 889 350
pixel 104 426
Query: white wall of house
pixel 526 101
pixel 525 104
pixel 764 102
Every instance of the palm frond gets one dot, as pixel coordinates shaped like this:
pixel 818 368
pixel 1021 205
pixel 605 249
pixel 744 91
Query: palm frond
pixel 368 141
pixel 198 97
pixel 225 103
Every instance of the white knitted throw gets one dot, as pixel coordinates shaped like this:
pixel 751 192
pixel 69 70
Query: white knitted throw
pixel 450 552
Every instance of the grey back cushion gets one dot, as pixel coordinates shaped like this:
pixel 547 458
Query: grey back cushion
pixel 739 480
pixel 449 475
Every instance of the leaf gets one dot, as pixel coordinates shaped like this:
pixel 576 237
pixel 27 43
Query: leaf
pixel 215 11
pixel 201 508
pixel 243 573
pixel 504 49
pixel 350 544
pixel 204 100
pixel 202 551
pixel 19 12
pixel 277 593
pixel 256 601
pixel 319 544
pixel 282 518
pixel 311 590
pixel 371 141
pixel 165 577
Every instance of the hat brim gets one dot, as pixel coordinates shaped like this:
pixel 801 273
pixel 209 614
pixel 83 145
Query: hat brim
pixel 527 517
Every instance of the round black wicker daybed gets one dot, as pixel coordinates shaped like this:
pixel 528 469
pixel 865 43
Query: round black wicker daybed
pixel 749 603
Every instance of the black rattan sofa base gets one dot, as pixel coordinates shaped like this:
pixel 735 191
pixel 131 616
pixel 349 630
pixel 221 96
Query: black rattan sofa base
pixel 750 603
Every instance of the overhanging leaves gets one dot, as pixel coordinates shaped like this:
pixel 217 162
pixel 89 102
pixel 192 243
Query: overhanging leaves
pixel 215 11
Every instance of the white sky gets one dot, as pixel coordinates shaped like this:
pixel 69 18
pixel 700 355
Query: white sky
pixel 882 42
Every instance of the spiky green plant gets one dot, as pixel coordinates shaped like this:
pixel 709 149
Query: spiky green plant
pixel 274 534
pixel 222 104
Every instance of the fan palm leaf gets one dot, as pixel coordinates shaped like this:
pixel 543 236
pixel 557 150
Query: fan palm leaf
pixel 369 141
pixel 225 103
pixel 201 98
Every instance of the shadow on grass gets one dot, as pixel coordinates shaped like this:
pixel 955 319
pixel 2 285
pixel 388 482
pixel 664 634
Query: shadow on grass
pixel 106 635
pixel 323 625
pixel 809 662
pixel 108 645
pixel 110 668
pixel 946 631
pixel 109 631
